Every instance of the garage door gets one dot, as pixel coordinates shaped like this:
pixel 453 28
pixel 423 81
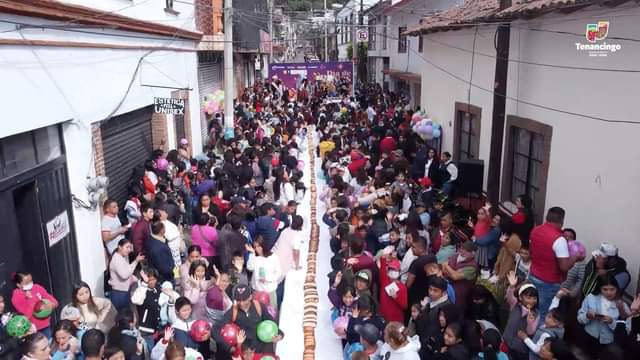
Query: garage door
pixel 209 80
pixel 126 143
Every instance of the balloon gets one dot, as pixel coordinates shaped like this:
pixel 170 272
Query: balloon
pixel 436 133
pixel 340 326
pixel 272 311
pixel 215 299
pixel 576 248
pixel 300 165
pixel 18 326
pixel 262 297
pixel 40 311
pixel 229 333
pixel 200 330
pixel 428 129
pixel 162 164
pixel 416 117
pixel 267 357
pixel 436 125
pixel 266 330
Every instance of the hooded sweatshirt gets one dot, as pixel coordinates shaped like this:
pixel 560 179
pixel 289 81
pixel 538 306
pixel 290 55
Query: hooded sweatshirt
pixel 407 352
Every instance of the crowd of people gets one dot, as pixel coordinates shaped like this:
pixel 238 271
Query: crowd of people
pixel 199 252
pixel 415 275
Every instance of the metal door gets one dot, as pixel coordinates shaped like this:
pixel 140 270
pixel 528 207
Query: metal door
pixel 126 143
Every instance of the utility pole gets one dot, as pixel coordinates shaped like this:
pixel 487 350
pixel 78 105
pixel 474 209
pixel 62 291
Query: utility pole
pixel 228 70
pixel 354 53
pixel 361 21
pixel 499 106
pixel 270 31
pixel 326 36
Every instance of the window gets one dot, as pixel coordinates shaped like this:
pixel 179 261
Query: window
pixel 466 143
pixel 384 32
pixel 526 164
pixel 420 43
pixel 402 40
pixel 24 151
pixel 372 34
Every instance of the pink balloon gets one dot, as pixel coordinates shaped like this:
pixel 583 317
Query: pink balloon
pixel 162 164
pixel 300 165
pixel 576 248
pixel 340 326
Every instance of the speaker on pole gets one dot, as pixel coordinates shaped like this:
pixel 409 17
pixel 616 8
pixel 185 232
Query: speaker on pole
pixel 470 177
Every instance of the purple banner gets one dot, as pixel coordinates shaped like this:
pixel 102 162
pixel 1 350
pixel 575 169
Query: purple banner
pixel 291 74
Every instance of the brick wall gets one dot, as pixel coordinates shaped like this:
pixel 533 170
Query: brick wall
pixel 159 132
pixel 209 16
pixel 98 152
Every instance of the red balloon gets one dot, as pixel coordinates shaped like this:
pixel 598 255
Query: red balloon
pixel 262 297
pixel 229 333
pixel 200 330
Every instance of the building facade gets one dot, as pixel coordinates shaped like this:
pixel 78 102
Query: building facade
pixel 79 82
pixel 569 116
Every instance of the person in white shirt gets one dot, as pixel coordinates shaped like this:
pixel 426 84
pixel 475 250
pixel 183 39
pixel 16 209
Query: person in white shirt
pixel 112 229
pixel 266 269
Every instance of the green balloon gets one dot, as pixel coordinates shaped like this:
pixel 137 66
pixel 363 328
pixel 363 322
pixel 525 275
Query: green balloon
pixel 267 330
pixel 18 326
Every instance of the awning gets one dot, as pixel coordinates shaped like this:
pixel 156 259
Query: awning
pixel 407 76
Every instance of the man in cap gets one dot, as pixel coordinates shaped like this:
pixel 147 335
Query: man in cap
pixel 247 313
pixel 605 261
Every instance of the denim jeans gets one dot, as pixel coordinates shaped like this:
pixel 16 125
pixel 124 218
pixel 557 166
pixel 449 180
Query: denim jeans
pixel 546 292
pixel 119 299
pixel 447 188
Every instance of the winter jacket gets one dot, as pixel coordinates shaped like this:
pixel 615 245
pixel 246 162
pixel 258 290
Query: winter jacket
pixel 206 237
pixel 267 226
pixel 353 336
pixel 139 235
pixel 596 328
pixel 148 308
pixel 391 308
pixel 160 257
pixel 407 352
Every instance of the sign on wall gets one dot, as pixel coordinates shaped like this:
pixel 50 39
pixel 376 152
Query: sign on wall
pixel 362 35
pixel 169 106
pixel 58 228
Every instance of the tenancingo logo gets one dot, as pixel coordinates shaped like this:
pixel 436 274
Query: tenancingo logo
pixel 596 34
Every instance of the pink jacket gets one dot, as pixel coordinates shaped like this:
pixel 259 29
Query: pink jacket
pixel 25 305
pixel 206 237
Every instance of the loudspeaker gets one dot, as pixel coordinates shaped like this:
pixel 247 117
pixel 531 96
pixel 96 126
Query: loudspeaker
pixel 470 177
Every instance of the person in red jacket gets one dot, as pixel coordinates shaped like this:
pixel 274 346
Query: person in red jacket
pixel 26 300
pixel 393 293
pixel 388 144
pixel 141 230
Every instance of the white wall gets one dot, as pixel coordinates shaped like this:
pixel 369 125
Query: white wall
pixel 594 166
pixel 49 85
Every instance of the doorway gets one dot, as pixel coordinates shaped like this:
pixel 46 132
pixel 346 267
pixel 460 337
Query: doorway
pixel 32 241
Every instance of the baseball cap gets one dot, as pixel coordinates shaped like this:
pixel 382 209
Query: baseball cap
pixel 363 275
pixel 369 332
pixel 241 293
pixel 70 313
pixel 425 181
pixel 240 200
pixel 394 264
pixel 606 249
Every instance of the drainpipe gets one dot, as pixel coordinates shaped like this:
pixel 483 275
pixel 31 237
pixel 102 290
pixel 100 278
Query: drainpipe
pixel 499 108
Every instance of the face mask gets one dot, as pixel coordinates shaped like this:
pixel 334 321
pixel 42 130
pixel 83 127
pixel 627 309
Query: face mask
pixel 424 218
pixel 27 287
pixel 393 274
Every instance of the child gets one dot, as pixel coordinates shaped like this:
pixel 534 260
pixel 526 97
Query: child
pixel 523 317
pixel 246 350
pixel 599 314
pixel 65 345
pixel 433 269
pixel 343 302
pixel 556 349
pixel 363 314
pixel 166 298
pixel 523 262
pixel 169 349
pixel 218 302
pixel 454 348
pixel 181 322
pixel 393 293
pixel 196 287
pixel 415 312
pixel 553 328
pixel 237 272
pixel 125 336
pixel 266 269
pixel 398 345
pixel 491 340
pixel 146 297
pixel 427 322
